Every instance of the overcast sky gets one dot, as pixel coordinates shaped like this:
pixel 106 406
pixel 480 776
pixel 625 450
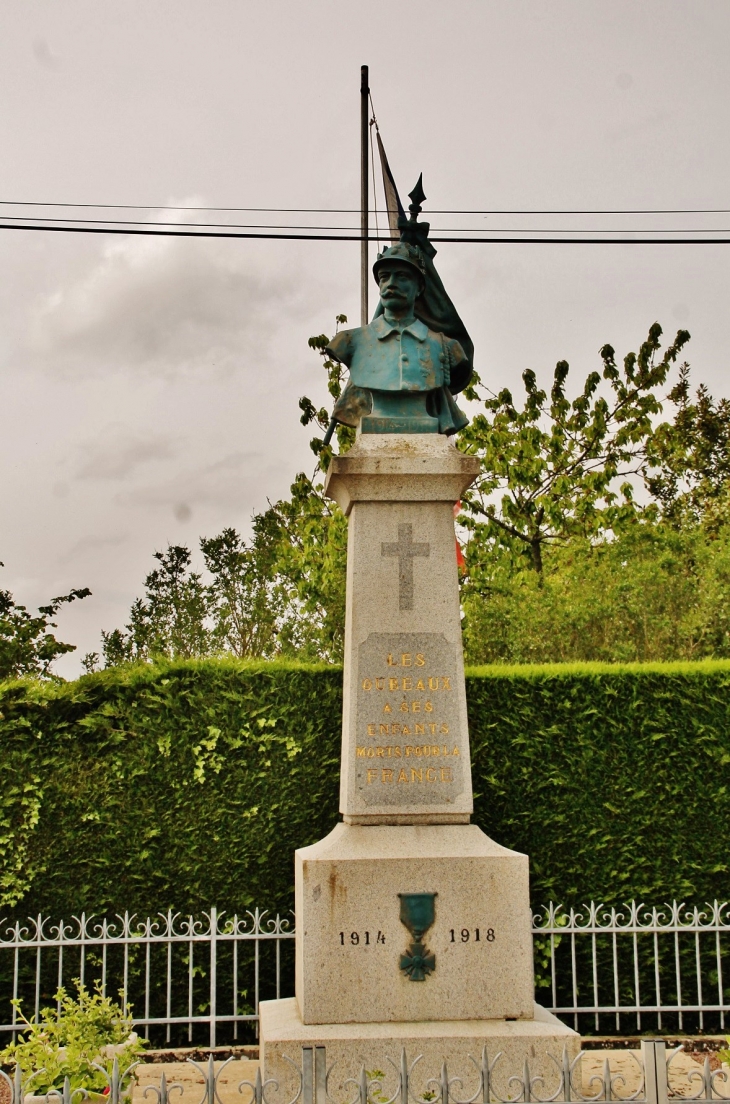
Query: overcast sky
pixel 149 387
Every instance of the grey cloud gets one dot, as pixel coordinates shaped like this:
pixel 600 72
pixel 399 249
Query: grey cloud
pixel 91 544
pixel 227 482
pixel 43 53
pixel 162 307
pixel 655 121
pixel 117 451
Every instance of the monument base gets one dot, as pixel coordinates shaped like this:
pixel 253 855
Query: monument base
pixel 352 1046
pixel 352 946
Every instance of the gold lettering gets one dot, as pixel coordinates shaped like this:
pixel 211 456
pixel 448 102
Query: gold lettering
pixel 446 683
pixel 405 731
pixel 392 662
pixel 433 729
pixel 397 752
pixel 420 685
pixel 404 707
pixel 456 751
pixel 392 683
pixel 371 753
pixel 379 683
pixel 416 775
pixel 387 775
pixel 410 750
pixel 405 659
pixel 435 750
pixel 418 750
pixel 402 777
pixel 445 750
pixel 415 707
pixel 361 753
pixel 407 683
pixel 380 753
pixel 372 775
pixel 385 730
pixel 433 683
pixel 447 774
pixel 395 730
pixel 367 684
pixel 387 708
pixel 428 708
pixel 371 730
pixel 420 661
pixel 420 730
pixel 444 729
pixel 429 773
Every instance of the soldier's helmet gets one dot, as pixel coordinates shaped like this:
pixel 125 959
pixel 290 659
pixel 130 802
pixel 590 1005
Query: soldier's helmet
pixel 401 253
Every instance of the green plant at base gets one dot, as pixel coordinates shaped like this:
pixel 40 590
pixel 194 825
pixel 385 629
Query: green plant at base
pixel 73 1039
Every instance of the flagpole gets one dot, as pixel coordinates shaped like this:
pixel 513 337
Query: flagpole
pixel 364 92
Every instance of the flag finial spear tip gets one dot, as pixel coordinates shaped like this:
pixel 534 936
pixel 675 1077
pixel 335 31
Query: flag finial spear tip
pixel 417 196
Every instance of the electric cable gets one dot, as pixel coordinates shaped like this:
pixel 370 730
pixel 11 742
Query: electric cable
pixel 356 210
pixel 182 233
pixel 288 226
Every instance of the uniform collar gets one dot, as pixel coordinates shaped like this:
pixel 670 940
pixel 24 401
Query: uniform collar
pixel 383 328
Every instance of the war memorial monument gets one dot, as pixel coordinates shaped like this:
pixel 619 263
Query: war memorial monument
pixel 413 927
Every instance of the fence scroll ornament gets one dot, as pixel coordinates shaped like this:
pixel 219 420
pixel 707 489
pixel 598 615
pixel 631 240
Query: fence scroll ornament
pixel 482 1084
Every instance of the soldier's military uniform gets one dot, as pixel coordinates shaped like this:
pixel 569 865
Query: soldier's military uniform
pixel 384 358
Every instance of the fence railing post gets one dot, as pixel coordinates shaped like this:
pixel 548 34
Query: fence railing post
pixel 213 971
pixel 307 1075
pixel 320 1075
pixel 654 1061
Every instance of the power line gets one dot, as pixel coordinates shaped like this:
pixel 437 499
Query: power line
pixel 356 210
pixel 181 233
pixel 287 226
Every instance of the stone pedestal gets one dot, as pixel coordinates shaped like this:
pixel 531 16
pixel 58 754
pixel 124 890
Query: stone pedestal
pixel 350 1047
pixel 405 743
pixel 350 938
pixel 413 927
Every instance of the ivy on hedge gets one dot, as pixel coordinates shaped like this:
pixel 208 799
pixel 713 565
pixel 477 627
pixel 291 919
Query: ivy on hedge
pixel 191 784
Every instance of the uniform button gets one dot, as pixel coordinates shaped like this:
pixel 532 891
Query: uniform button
pixel 404 360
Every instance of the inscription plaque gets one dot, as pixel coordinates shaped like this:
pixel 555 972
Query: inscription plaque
pixel 410 734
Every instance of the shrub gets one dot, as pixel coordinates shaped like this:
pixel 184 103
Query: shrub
pixel 73 1040
pixel 191 784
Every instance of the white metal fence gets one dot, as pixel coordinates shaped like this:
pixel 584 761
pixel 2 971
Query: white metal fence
pixel 200 979
pixel 176 971
pixel 487 1079
pixel 638 966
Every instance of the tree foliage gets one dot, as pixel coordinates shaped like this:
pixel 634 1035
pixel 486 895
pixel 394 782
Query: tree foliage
pixel 594 531
pixel 654 593
pixel 26 645
pixel 688 460
pixel 280 594
pixel 557 468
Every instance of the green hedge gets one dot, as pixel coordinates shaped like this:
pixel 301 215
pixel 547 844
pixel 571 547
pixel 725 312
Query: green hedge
pixel 191 784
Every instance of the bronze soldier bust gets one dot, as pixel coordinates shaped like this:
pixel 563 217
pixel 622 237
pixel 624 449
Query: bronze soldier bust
pixel 404 366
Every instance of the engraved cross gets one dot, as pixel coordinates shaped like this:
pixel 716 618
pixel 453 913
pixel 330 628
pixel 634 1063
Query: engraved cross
pixel 405 550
